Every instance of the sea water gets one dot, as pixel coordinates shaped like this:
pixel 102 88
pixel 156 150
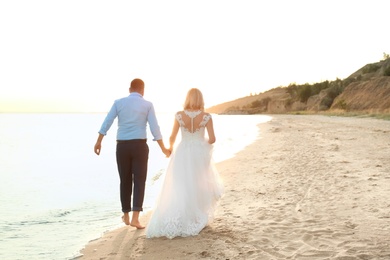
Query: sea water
pixel 56 195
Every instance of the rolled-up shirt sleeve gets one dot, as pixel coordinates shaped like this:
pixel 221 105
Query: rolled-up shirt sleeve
pixel 153 124
pixel 109 120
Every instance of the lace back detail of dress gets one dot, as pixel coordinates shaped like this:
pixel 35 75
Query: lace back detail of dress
pixel 192 118
pixel 192 115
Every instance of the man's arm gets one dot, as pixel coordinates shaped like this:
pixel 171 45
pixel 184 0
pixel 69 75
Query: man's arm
pixel 155 130
pixel 110 117
pixel 153 124
pixel 163 149
pixel 112 114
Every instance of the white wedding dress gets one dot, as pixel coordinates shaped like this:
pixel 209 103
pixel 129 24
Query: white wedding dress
pixel 192 185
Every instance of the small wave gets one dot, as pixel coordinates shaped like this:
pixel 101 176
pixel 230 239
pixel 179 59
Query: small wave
pixel 44 219
pixel 36 222
pixel 63 214
pixel 8 226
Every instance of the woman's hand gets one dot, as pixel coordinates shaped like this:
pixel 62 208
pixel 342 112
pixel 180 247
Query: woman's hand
pixel 167 152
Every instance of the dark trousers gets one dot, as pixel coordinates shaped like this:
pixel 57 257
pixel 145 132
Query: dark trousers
pixel 132 161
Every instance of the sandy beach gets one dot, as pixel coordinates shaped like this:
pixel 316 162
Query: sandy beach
pixel 311 187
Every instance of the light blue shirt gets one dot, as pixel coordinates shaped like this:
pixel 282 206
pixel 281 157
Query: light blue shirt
pixel 133 112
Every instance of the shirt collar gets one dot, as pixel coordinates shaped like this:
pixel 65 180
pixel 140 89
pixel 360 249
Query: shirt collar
pixel 135 94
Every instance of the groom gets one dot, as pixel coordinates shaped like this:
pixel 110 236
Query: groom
pixel 132 151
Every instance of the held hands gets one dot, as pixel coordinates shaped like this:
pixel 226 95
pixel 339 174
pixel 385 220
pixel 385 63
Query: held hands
pixel 167 152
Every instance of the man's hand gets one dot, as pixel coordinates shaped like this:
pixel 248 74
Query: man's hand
pixel 98 145
pixel 97 148
pixel 167 152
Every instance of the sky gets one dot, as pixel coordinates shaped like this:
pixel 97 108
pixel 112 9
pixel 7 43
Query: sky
pixel 79 56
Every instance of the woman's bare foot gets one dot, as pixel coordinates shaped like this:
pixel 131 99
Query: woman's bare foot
pixel 136 224
pixel 126 219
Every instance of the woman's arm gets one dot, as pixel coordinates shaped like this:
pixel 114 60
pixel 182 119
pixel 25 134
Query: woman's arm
pixel 172 138
pixel 210 131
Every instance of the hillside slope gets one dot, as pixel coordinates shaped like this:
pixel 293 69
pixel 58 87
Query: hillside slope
pixel 371 95
pixel 366 90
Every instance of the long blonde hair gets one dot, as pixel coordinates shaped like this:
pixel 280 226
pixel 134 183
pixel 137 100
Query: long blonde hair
pixel 194 100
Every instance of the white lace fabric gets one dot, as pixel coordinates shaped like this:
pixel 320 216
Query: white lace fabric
pixel 190 120
pixel 192 185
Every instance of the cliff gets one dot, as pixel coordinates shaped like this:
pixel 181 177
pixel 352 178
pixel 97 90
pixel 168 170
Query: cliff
pixel 366 90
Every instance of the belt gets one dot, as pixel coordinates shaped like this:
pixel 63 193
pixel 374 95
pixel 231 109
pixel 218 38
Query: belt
pixel 131 141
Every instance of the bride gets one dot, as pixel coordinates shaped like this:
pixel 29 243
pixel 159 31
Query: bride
pixel 192 185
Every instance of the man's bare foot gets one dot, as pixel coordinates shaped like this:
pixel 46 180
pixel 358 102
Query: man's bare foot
pixel 126 219
pixel 136 224
pixel 135 220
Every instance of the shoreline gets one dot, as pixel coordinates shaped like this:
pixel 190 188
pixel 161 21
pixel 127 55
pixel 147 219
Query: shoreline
pixel 310 187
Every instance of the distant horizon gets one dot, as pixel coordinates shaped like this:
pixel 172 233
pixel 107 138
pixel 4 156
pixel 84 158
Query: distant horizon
pixel 164 111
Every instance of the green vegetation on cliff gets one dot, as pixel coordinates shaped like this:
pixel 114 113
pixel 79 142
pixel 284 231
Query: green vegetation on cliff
pixel 366 89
